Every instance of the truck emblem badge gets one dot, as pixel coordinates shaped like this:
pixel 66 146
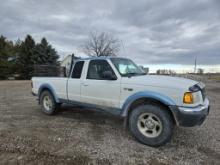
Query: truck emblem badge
pixel 128 89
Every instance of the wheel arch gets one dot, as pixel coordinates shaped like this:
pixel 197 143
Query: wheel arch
pixel 49 88
pixel 142 98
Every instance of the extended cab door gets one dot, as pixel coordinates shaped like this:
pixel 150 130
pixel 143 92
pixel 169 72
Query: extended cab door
pixel 98 90
pixel 74 82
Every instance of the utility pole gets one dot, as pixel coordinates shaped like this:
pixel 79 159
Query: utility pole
pixel 195 67
pixel 122 43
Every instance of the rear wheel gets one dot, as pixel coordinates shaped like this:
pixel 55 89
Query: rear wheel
pixel 48 103
pixel 151 125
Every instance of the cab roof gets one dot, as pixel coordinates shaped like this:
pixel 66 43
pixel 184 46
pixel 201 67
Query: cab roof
pixel 98 58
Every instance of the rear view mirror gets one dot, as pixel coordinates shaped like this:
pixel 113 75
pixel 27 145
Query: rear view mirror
pixel 108 75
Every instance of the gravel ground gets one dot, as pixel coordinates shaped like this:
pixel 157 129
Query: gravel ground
pixel 81 136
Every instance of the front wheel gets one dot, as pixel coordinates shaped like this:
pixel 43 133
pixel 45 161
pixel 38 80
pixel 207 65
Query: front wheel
pixel 48 103
pixel 151 125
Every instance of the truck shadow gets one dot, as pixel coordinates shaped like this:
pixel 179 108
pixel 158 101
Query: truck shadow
pixel 89 115
pixel 98 121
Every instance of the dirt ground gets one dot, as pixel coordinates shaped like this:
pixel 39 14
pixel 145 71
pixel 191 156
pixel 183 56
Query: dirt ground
pixel 81 136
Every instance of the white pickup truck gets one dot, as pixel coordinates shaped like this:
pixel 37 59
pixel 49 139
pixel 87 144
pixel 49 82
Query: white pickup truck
pixel 151 105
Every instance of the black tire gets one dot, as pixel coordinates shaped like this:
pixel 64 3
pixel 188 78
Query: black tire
pixel 165 119
pixel 54 106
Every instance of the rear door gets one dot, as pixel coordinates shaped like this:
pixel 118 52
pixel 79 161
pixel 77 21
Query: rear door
pixel 74 82
pixel 97 90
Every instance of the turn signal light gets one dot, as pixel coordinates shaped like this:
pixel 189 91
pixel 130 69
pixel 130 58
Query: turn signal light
pixel 188 98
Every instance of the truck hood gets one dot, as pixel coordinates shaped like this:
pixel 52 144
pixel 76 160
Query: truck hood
pixel 160 81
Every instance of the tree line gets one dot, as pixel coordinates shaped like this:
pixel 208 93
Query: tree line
pixel 18 58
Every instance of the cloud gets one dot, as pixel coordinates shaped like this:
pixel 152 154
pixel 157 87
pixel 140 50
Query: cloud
pixel 151 31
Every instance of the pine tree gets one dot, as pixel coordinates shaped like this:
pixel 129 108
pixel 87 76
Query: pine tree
pixel 26 59
pixel 3 52
pixel 23 55
pixel 6 52
pixel 45 54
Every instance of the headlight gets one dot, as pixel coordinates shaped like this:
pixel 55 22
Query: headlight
pixel 188 98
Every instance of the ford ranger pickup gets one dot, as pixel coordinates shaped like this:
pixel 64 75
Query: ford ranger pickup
pixel 151 105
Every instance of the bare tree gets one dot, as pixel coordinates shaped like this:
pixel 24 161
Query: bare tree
pixel 101 44
pixel 165 72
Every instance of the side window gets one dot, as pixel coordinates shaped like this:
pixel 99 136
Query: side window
pixel 97 68
pixel 77 70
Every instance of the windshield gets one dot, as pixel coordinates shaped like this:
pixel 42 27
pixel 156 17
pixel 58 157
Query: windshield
pixel 127 67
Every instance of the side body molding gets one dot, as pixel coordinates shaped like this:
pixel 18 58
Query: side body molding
pixel 145 94
pixel 50 88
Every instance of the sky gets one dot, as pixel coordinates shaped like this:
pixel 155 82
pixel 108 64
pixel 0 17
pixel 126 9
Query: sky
pixel 152 32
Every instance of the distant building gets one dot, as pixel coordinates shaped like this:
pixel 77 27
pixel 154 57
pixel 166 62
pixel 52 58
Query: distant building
pixel 66 62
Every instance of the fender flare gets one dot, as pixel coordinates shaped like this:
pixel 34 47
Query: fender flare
pixel 145 94
pixel 50 89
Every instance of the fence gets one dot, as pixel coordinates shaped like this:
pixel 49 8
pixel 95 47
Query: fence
pixel 49 71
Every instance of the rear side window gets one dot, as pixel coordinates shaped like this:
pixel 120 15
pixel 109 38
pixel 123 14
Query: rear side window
pixel 77 70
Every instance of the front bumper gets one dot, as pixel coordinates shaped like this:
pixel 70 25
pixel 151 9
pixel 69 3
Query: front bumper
pixel 34 94
pixel 191 116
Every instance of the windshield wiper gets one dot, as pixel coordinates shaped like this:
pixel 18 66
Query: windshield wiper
pixel 132 74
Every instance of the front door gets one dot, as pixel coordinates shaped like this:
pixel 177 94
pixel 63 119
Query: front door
pixel 98 90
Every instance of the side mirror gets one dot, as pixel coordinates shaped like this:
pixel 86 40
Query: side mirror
pixel 108 75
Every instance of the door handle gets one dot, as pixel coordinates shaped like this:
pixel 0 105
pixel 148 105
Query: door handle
pixel 85 85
